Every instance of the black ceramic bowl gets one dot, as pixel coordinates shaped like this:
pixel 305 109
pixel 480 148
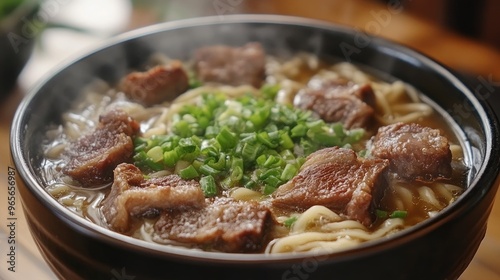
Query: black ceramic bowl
pixel 439 248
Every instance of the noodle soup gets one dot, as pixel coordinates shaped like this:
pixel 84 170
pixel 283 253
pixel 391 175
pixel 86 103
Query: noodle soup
pixel 261 152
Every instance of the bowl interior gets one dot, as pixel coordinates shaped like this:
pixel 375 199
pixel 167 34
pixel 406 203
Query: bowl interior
pixel 280 36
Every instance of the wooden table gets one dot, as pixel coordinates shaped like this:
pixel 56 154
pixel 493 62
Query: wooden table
pixel 477 60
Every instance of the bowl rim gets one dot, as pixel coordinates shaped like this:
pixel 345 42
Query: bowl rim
pixel 93 230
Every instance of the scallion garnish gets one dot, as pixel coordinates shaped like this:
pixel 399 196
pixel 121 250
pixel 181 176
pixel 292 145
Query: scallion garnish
pixel 188 173
pixel 208 186
pixel 382 214
pixel 290 221
pixel 249 141
pixel 399 214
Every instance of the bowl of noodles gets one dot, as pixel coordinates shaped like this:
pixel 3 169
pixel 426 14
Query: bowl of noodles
pixel 255 147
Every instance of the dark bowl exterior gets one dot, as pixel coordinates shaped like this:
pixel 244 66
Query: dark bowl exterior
pixel 440 248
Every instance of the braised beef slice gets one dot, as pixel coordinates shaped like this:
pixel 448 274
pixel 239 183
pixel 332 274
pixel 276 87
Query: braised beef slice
pixel 92 157
pixel 118 121
pixel 225 225
pixel 415 152
pixel 132 195
pixel 338 100
pixel 362 91
pixel 159 84
pixel 337 179
pixel 231 65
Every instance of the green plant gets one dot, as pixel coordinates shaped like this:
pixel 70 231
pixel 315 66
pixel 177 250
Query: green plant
pixel 7 6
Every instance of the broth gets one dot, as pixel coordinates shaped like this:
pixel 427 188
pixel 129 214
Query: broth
pixel 294 231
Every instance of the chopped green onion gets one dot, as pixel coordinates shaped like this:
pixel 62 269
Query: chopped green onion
pixel 271 161
pixel 209 150
pixel 211 131
pixel 186 146
pixel 270 91
pixel 155 154
pixel 188 173
pixel 249 183
pixel 285 141
pixel 208 186
pixel 338 129
pixel 208 170
pixel 395 214
pixel 250 151
pixel 261 160
pixel 399 214
pixel 170 158
pixel 226 139
pixel 275 172
pixel 290 221
pixel 287 155
pixel 272 181
pixel 264 138
pixel 193 81
pixel 260 117
pixel 218 164
pixel 248 141
pixel 182 128
pixel 237 169
pixel 268 189
pixel 289 172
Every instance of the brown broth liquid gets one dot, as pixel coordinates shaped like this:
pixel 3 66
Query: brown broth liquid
pixel 89 201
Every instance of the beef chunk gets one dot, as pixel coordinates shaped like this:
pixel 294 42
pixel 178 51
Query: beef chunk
pixel 231 65
pixel 337 179
pixel 338 100
pixel 415 152
pixel 132 195
pixel 159 84
pixel 118 121
pixel 364 92
pixel 225 224
pixel 92 157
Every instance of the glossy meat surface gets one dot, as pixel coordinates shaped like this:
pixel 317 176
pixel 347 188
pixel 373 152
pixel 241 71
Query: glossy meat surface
pixel 92 157
pixel 133 195
pixel 338 100
pixel 225 224
pixel 228 65
pixel 159 84
pixel 338 179
pixel 415 152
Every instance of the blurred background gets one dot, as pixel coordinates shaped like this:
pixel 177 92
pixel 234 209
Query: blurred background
pixel 38 35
